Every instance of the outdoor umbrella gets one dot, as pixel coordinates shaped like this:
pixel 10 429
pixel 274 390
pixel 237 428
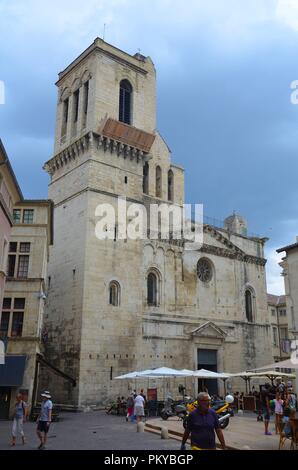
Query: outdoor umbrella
pixel 245 376
pixel 287 364
pixel 166 372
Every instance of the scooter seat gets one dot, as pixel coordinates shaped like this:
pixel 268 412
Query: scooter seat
pixel 218 405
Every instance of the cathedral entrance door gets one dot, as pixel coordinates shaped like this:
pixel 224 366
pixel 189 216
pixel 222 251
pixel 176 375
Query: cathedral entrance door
pixel 207 359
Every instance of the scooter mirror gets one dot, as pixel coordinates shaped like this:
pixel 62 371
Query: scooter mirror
pixel 229 399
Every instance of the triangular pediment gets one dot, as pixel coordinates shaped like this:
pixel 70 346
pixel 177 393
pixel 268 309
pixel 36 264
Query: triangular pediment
pixel 209 330
pixel 215 237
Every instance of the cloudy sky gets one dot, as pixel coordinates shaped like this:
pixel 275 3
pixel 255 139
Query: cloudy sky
pixel 224 99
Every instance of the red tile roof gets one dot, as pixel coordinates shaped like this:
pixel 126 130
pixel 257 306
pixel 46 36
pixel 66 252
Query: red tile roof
pixel 128 135
pixel 276 300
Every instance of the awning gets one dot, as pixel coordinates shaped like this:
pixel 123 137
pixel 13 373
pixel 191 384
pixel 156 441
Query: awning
pixel 12 372
pixel 57 371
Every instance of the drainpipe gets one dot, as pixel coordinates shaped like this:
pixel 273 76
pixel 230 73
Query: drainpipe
pixel 277 313
pixel 35 385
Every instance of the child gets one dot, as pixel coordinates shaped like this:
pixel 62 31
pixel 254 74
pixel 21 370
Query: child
pixel 278 404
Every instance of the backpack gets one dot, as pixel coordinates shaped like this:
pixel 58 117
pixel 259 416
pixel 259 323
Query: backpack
pixel 292 403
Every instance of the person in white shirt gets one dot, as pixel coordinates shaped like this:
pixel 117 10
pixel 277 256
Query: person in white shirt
pixel 44 419
pixel 139 407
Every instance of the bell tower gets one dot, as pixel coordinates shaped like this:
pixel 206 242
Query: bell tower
pixel 105 134
pixel 104 82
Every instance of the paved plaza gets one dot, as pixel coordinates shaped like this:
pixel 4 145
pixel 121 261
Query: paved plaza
pixel 88 431
pixel 243 432
pixel 98 431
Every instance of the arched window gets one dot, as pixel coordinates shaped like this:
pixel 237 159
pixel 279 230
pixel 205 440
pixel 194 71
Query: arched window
pixel 158 182
pixel 114 293
pixel 146 178
pixel 249 305
pixel 152 289
pixel 170 186
pixel 125 102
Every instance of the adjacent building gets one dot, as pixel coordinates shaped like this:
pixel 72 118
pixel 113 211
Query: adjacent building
pixel 26 233
pixel 281 343
pixel 289 265
pixel 10 193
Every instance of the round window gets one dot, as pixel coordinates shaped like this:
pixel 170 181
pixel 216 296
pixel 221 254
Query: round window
pixel 204 270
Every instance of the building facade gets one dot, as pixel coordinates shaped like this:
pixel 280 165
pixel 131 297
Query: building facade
pixel 26 232
pixel 289 267
pixel 116 305
pixel 280 328
pixel 10 193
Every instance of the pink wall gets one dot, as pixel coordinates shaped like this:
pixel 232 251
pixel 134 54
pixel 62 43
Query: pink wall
pixel 5 231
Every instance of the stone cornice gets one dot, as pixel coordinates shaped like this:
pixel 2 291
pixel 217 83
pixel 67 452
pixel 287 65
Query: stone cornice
pixel 100 46
pixel 24 279
pixel 91 141
pixel 226 253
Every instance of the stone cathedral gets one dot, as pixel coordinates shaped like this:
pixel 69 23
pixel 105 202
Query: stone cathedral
pixel 119 305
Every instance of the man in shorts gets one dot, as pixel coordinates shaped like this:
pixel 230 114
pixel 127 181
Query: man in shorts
pixel 265 394
pixel 139 403
pixel 44 419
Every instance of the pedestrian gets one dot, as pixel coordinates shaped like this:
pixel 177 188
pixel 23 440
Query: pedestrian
pixel 139 403
pixel 123 406
pixel 145 400
pixel 20 417
pixel 143 395
pixel 201 425
pixel 130 407
pixel 278 404
pixel 44 419
pixel 281 387
pixel 118 405
pixel 266 407
pixel 290 402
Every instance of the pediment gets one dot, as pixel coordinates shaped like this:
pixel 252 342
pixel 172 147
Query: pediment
pixel 216 238
pixel 209 330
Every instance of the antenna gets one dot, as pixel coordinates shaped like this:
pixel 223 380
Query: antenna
pixel 104 31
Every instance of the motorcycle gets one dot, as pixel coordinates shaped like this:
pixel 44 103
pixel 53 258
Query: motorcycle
pixel 221 407
pixel 170 409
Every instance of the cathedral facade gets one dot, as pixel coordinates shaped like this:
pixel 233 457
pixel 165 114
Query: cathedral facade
pixel 118 305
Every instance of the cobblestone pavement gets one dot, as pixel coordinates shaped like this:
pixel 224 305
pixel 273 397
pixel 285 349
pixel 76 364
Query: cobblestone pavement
pixel 88 431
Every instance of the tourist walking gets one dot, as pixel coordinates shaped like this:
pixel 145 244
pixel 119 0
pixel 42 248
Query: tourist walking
pixel 20 416
pixel 201 425
pixel 278 404
pixel 44 419
pixel 130 407
pixel 139 403
pixel 265 393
